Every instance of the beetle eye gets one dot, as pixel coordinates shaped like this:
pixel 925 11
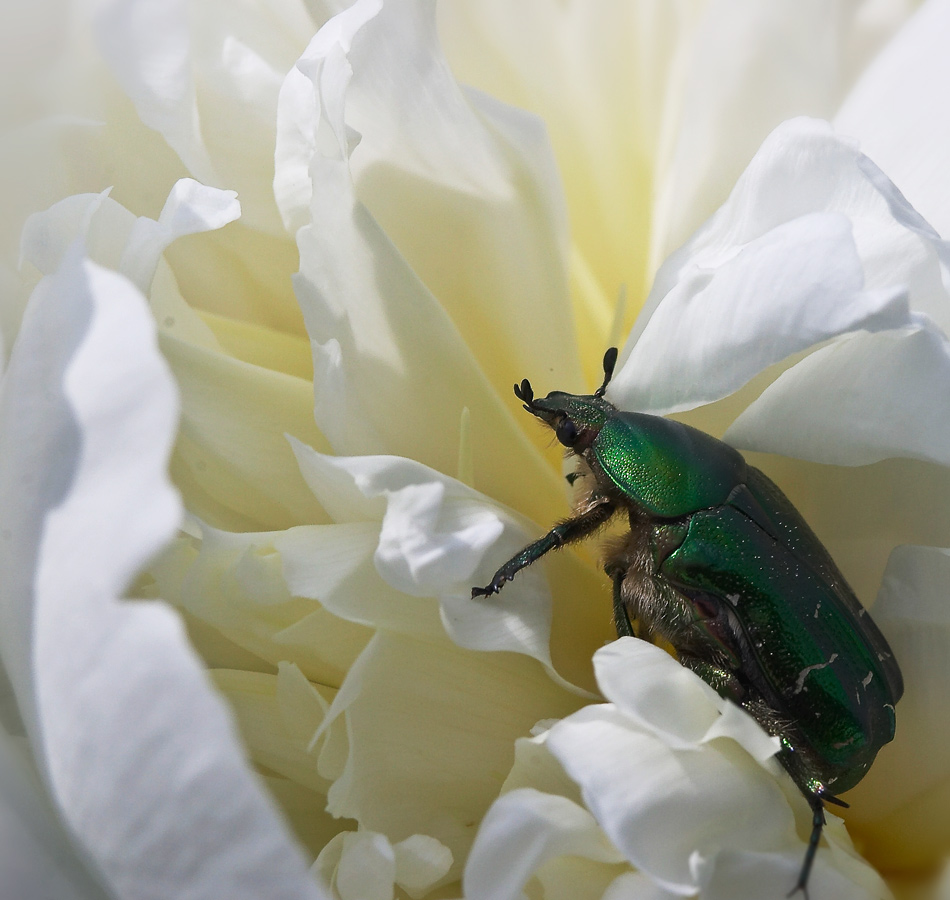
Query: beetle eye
pixel 566 432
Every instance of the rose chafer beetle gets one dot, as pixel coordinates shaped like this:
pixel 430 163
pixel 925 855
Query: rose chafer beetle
pixel 720 564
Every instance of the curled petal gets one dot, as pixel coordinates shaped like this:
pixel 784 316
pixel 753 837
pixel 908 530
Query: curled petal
pixel 155 815
pixel 652 688
pixel 660 806
pixel 801 252
pixel 523 830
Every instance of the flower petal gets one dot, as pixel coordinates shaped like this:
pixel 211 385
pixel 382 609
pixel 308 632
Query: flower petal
pixel 36 856
pixel 421 861
pixel 232 456
pixel 236 584
pixel 433 542
pixel 427 720
pixel 894 113
pixel 636 886
pixel 745 69
pixel 660 806
pixel 743 875
pixel 119 240
pixel 523 829
pixel 651 687
pixel 810 227
pixel 814 411
pixel 193 72
pixel 272 742
pixel 87 382
pixel 358 866
pixel 406 359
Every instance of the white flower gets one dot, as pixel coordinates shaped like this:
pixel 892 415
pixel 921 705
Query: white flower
pixel 351 460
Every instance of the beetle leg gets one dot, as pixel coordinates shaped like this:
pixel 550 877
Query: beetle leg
pixel 621 615
pixel 721 680
pixel 565 532
pixel 817 823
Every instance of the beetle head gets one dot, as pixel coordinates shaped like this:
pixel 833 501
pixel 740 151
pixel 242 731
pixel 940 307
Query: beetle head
pixel 575 418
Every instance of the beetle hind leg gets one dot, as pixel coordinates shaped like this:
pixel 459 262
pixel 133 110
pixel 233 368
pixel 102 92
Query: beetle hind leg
pixel 621 614
pixel 814 799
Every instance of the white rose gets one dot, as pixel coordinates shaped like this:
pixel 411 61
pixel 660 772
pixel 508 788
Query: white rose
pixel 351 461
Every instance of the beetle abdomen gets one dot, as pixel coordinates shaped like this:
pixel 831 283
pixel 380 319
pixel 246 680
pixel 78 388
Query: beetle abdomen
pixel 808 656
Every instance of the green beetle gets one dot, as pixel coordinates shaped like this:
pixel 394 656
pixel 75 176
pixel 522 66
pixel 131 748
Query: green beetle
pixel 721 565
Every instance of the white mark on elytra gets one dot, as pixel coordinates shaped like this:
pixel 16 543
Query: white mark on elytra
pixel 866 681
pixel 817 607
pixel 800 684
pixel 857 696
pixel 862 612
pixel 732 598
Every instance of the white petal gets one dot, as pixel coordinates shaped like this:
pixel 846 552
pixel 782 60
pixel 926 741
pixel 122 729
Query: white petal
pixel 191 208
pixel 896 112
pixel 272 741
pixel 744 875
pixel 358 865
pixel 636 886
pixel 421 861
pixel 36 856
pixel 148 48
pixel 799 253
pixel 659 806
pixel 411 746
pixel 232 458
pixel 744 69
pixel 651 687
pixel 236 584
pixel 334 565
pixel 434 541
pixel 139 786
pixel 406 360
pixel 813 411
pixel 119 240
pixel 522 830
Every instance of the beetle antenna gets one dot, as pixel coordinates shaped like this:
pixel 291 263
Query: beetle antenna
pixel 525 394
pixel 610 360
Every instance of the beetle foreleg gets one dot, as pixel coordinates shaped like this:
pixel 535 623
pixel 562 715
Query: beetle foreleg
pixel 565 532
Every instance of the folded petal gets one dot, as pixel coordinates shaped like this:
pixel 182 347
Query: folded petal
pixel 901 406
pixel 86 381
pixel 374 281
pixel 524 829
pixel 651 687
pixel 192 72
pixel 813 242
pixel 659 805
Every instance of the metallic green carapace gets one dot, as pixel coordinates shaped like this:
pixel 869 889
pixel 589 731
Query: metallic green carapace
pixel 719 563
